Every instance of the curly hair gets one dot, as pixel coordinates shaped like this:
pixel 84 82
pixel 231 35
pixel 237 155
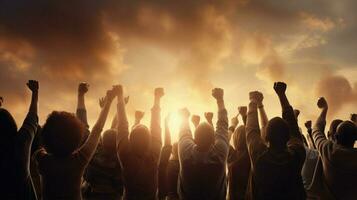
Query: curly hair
pixel 62 133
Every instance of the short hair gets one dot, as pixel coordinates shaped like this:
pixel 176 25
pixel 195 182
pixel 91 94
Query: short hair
pixel 62 133
pixel 109 140
pixel 333 128
pixel 239 141
pixel 140 140
pixel 277 132
pixel 204 135
pixel 346 133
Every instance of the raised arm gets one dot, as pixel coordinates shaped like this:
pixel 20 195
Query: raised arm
pixel 254 141
pixel 167 148
pixel 29 126
pixel 233 126
pixel 287 109
pixel 308 125
pixel 167 132
pixel 318 135
pixel 263 116
pixel 81 112
pixel 195 119
pixel 123 125
pixel 115 118
pixel 185 143
pixel 354 118
pixel 155 126
pixel 209 117
pixel 242 110
pixel 221 145
pixel 88 148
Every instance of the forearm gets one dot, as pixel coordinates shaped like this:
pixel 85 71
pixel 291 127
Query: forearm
pixel 185 129
pixel 80 101
pixel 263 116
pixel 284 102
pixel 167 136
pixel 114 122
pixel 122 118
pixel 156 119
pixel 34 102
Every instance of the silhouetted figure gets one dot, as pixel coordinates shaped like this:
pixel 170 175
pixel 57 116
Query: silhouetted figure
pixel 331 134
pixel 173 169
pixel 139 153
pixel 15 151
pixel 62 161
pixel 275 172
pixel 103 173
pixel 203 158
pixel 354 118
pixel 163 163
pixel 339 159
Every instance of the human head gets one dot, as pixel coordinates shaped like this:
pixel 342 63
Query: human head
pixel 239 141
pixel 8 127
pixel 62 133
pixel 204 136
pixel 332 130
pixel 277 133
pixel 140 139
pixel 346 134
pixel 109 141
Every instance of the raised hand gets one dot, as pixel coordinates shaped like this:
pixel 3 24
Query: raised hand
pixel 322 103
pixel 101 102
pixel 184 113
pixel 83 88
pixel 126 100
pixel 234 121
pixel 308 124
pixel 111 94
pixel 280 88
pixel 218 93
pixel 159 92
pixel 139 115
pixel 242 110
pixel 255 97
pixel 118 90
pixel 33 85
pixel 209 117
pixel 195 119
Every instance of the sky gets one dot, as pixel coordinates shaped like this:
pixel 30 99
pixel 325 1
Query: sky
pixel 187 47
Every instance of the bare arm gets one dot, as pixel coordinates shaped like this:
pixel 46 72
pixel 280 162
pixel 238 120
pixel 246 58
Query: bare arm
pixel 123 125
pixel 155 126
pixel 87 150
pixel 242 110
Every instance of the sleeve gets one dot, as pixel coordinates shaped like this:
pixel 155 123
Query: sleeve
pixel 185 144
pixel 28 129
pixel 221 145
pixel 155 129
pixel 322 144
pixel 255 143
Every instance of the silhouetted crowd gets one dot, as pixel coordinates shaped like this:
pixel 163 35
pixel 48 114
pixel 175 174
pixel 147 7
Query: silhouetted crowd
pixel 67 159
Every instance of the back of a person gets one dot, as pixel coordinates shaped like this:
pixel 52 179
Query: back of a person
pixel 276 175
pixel 203 177
pixel 103 177
pixel 173 169
pixel 61 177
pixel 140 176
pixel 238 174
pixel 340 170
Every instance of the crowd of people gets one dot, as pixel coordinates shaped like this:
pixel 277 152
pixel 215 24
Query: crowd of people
pixel 260 158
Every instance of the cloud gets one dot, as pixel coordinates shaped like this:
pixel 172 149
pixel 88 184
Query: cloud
pixel 338 91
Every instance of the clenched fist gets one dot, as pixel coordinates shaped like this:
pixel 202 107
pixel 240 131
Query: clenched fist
pixel 280 88
pixel 242 110
pixel 33 85
pixel 118 90
pixel 159 92
pixel 195 119
pixel 139 115
pixel 83 88
pixel 218 93
pixel 322 103
pixel 308 124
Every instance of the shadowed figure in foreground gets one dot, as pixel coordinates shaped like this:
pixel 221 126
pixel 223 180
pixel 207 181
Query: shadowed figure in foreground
pixel 139 152
pixel 62 161
pixel 15 150
pixel 275 168
pixel 203 158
